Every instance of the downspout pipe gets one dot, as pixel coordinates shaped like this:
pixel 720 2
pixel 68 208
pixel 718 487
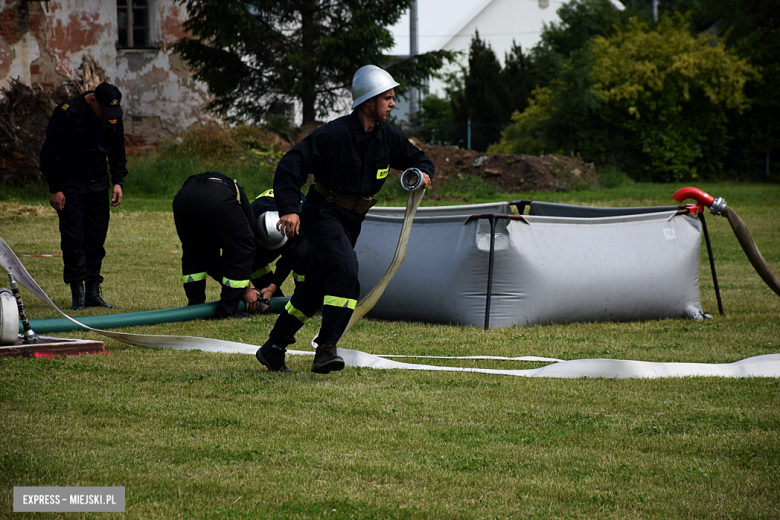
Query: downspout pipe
pixel 202 311
pixel 718 207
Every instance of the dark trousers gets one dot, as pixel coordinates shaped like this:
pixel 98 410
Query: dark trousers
pixel 208 219
pixel 332 274
pixel 292 257
pixel 83 230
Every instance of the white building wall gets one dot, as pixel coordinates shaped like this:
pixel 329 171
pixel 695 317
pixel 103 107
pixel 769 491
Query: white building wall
pixel 451 26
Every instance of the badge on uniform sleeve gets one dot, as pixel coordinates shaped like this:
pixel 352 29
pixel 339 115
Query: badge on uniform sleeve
pixel 381 174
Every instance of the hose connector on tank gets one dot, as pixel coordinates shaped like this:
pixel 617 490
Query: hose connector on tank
pixel 718 206
pixel 703 199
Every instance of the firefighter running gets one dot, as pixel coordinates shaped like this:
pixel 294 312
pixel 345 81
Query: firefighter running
pixel 350 158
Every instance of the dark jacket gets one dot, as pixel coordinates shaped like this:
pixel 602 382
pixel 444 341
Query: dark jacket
pixel 343 156
pixel 77 144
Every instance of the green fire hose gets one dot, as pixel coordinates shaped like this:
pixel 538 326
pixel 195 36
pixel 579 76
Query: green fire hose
pixel 201 311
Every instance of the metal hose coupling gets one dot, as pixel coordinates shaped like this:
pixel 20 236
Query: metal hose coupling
pixel 718 206
pixel 412 179
pixel 29 334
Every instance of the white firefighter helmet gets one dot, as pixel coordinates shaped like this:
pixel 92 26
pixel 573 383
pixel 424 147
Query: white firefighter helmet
pixel 268 236
pixel 370 81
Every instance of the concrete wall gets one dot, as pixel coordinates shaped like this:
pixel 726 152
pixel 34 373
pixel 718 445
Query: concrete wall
pixel 45 42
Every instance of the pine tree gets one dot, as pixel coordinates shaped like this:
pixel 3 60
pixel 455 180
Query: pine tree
pixel 483 100
pixel 255 54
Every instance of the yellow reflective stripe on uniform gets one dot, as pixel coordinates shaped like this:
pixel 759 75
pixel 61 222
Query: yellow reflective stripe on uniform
pixel 266 193
pixel 298 277
pixel 335 301
pixel 236 284
pixel 381 174
pixel 195 277
pixel 260 272
pixel 65 106
pixel 292 311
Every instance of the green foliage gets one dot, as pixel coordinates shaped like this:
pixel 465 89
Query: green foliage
pixel 564 112
pixel 611 177
pixel 280 124
pixel 529 133
pixel 755 133
pixel 671 92
pixel 580 22
pixel 435 122
pixel 238 152
pixel 653 101
pixel 256 54
pixel 488 94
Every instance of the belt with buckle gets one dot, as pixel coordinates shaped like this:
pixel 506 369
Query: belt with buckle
pixel 351 202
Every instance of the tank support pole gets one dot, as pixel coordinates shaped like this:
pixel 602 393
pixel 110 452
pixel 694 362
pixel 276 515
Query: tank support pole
pixel 490 269
pixel 712 262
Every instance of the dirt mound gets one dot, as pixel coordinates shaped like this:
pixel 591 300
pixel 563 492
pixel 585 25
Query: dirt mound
pixel 511 173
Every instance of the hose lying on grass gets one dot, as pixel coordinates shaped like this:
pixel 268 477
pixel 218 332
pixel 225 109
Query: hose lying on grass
pixel 203 311
pixel 758 366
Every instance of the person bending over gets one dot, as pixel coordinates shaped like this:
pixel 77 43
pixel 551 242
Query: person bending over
pixel 216 226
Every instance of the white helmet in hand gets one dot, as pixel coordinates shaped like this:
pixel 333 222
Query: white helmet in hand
pixel 370 81
pixel 268 236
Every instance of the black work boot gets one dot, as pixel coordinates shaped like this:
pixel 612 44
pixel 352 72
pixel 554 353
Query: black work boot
pixel 77 293
pixel 326 360
pixel 272 358
pixel 93 297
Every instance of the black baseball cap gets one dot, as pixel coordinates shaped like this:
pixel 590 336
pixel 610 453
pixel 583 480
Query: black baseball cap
pixel 109 98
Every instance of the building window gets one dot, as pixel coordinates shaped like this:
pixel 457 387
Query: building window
pixel 544 4
pixel 133 21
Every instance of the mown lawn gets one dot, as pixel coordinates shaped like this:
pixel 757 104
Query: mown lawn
pixel 203 435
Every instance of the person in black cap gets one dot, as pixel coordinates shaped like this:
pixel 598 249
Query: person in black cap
pixel 84 138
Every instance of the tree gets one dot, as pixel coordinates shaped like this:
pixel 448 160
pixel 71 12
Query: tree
pixel 487 94
pixel 672 91
pixel 434 121
pixel 518 77
pixel 653 100
pixel 580 22
pixel 256 54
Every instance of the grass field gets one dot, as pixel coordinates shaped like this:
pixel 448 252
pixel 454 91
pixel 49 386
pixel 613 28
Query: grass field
pixel 202 435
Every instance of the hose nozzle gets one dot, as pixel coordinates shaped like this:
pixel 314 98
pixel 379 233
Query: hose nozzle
pixel 412 179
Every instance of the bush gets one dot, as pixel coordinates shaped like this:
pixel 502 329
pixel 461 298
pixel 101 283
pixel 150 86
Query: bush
pixel 245 153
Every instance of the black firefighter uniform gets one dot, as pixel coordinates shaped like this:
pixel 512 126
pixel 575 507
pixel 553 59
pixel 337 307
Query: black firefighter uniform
pixel 212 214
pixel 349 165
pixel 73 160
